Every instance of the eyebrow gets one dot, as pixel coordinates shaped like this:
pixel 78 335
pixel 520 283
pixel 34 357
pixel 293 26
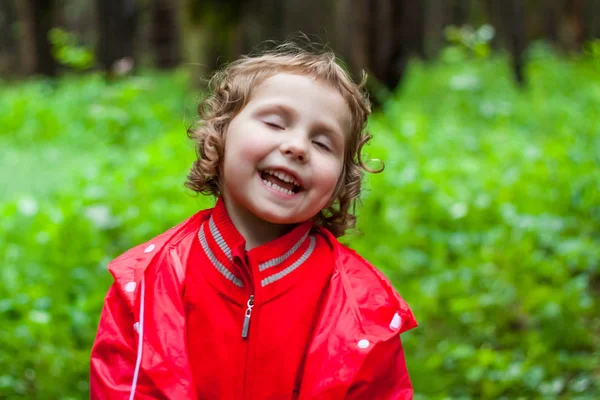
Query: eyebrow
pixel 278 108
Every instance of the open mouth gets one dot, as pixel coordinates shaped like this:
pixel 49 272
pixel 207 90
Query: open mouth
pixel 280 181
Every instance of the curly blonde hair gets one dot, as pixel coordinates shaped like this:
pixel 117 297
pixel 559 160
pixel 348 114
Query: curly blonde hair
pixel 230 90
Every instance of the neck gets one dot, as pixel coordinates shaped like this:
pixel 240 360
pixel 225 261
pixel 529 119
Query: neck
pixel 255 231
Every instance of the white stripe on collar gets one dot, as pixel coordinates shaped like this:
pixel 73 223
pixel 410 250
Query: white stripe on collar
pixel 211 256
pixel 262 266
pixel 300 261
pixel 219 239
pixel 279 260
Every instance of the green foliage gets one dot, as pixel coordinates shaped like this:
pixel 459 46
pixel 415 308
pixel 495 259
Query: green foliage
pixel 491 226
pixel 467 41
pixel 592 49
pixel 66 51
pixel 487 218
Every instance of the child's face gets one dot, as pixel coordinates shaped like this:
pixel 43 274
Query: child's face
pixel 293 128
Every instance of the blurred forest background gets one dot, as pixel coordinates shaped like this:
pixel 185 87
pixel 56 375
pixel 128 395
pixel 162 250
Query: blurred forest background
pixel 381 35
pixel 487 217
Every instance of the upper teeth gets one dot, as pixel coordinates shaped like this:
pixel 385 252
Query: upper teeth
pixel 283 176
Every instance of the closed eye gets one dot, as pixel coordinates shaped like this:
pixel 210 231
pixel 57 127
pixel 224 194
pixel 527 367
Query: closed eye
pixel 273 125
pixel 322 145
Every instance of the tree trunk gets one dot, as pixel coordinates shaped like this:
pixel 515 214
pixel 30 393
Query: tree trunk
pixel 358 32
pixel 413 27
pixel 117 23
pixel 164 33
pixel 573 33
pixel 552 20
pixel 437 17
pixel 592 23
pixel 408 31
pixel 343 20
pixel 381 43
pixel 512 14
pixel 8 41
pixel 311 17
pixel 41 15
pixel 26 43
pixel 260 20
pixel 384 34
pixel 460 12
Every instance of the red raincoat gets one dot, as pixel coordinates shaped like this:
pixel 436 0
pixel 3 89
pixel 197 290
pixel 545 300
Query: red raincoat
pixel 140 349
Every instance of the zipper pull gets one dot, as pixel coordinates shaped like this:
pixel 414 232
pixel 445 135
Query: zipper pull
pixel 247 316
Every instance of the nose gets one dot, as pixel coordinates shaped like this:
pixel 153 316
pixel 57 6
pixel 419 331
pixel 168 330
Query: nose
pixel 295 147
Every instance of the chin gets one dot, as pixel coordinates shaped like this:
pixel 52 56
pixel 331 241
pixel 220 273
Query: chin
pixel 272 217
pixel 278 220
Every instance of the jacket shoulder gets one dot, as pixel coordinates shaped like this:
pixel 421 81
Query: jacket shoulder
pixel 138 257
pixel 382 310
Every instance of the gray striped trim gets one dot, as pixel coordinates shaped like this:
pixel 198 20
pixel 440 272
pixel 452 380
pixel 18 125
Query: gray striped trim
pixel 276 261
pixel 220 267
pixel 219 239
pixel 300 261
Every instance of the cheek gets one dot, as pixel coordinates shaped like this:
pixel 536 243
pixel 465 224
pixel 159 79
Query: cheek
pixel 329 178
pixel 240 152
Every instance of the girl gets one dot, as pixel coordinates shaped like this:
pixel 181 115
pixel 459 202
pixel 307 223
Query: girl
pixel 256 298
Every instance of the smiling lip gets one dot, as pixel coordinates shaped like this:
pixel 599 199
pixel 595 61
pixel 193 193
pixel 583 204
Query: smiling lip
pixel 289 172
pixel 276 191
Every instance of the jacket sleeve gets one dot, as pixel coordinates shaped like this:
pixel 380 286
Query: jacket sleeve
pixel 114 355
pixel 383 375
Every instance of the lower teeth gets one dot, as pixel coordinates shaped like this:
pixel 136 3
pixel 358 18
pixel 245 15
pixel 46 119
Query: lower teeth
pixel 277 187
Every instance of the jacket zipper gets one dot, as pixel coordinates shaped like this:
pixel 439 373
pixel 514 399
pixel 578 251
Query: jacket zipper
pixel 247 316
pixel 246 330
pixel 246 340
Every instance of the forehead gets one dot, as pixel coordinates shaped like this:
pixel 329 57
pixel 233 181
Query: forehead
pixel 305 93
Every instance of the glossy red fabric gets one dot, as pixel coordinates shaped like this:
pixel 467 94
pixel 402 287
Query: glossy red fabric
pixel 355 351
pixel 285 278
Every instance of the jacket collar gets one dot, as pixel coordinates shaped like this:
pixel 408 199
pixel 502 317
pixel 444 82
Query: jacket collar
pixel 265 265
pixel 354 278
